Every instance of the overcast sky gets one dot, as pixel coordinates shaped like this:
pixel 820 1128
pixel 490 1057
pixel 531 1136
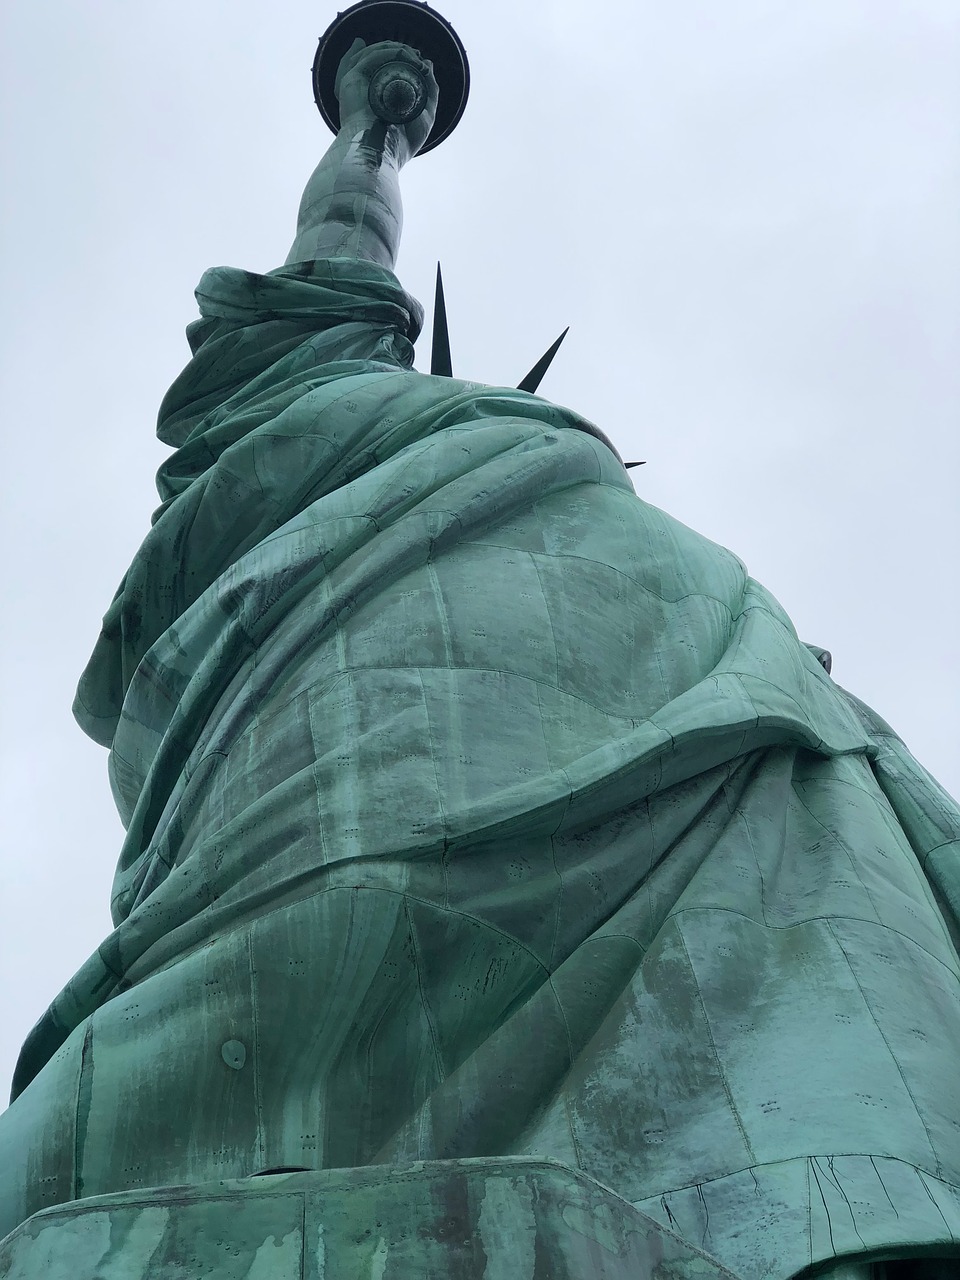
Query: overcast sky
pixel 747 211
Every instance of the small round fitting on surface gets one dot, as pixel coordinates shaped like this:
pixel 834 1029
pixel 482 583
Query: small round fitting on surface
pixel 398 93
pixel 234 1054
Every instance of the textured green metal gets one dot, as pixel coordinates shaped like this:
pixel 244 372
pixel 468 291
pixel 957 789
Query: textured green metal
pixel 477 809
pixel 472 1219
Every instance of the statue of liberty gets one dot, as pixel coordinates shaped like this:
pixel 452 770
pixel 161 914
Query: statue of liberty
pixel 507 891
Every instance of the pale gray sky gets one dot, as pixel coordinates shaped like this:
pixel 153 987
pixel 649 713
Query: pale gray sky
pixel 746 210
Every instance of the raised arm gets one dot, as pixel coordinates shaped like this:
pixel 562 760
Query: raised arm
pixel 351 206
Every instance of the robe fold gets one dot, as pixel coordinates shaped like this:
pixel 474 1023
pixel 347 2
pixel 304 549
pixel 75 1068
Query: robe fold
pixel 476 807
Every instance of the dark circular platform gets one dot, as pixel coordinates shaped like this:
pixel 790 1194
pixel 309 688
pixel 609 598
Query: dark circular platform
pixel 410 23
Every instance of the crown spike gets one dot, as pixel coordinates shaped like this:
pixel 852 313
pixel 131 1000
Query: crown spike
pixel 440 361
pixel 535 376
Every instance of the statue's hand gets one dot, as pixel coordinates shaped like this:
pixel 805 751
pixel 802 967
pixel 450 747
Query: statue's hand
pixel 358 67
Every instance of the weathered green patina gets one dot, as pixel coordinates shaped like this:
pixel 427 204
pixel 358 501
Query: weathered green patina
pixel 469 1219
pixel 477 809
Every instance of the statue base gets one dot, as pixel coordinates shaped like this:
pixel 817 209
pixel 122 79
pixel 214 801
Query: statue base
pixel 489 1219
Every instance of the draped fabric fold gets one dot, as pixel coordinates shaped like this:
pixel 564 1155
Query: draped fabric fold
pixel 493 812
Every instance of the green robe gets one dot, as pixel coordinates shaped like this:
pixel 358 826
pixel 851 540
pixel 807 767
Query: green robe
pixel 475 807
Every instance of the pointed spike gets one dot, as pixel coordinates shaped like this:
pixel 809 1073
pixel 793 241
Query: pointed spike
pixel 535 376
pixel 628 465
pixel 440 361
